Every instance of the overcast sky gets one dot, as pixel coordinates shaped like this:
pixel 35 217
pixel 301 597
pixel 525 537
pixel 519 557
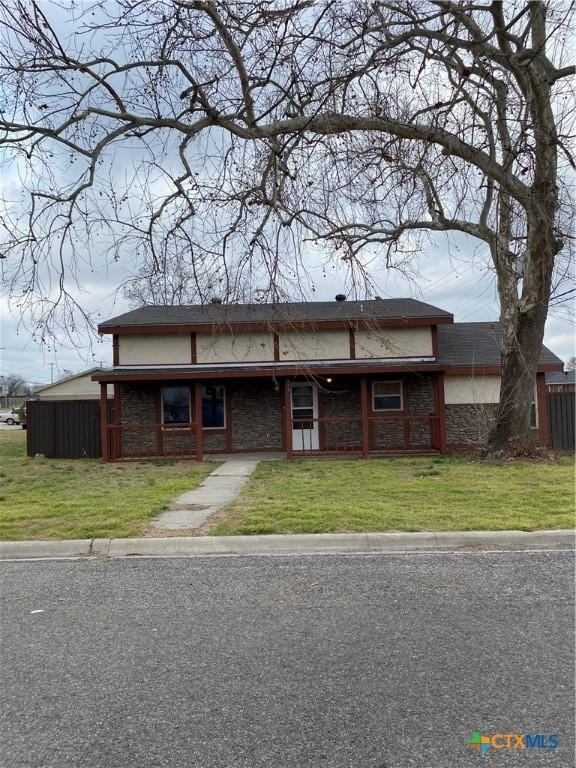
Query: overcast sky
pixel 451 274
pixel 452 278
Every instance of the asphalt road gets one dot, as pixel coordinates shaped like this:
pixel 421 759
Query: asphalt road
pixel 378 661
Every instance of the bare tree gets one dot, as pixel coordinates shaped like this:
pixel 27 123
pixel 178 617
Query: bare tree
pixel 571 364
pixel 229 138
pixel 13 385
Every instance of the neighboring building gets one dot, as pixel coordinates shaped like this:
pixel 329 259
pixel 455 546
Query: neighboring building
pixel 80 386
pixel 352 377
pixel 561 382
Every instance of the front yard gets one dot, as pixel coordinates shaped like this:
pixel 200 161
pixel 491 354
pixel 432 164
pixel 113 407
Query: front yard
pixel 408 494
pixel 85 498
pixel 61 499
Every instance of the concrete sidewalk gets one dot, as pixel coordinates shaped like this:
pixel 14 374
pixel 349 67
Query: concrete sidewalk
pixel 296 544
pixel 192 509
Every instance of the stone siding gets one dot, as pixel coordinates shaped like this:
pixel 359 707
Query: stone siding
pixel 421 396
pixel 388 434
pixel 213 441
pixel 342 401
pixel 421 402
pixel 138 406
pixel 256 415
pixel 469 424
pixel 178 441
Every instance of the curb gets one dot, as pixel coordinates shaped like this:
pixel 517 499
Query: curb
pixel 293 544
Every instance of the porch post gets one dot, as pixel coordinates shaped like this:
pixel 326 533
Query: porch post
pixel 441 411
pixel 288 419
pixel 117 439
pixel 104 444
pixel 365 422
pixel 198 417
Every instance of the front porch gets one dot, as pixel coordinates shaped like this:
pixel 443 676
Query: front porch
pixel 296 416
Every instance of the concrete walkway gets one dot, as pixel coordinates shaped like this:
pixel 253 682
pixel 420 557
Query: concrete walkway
pixel 192 509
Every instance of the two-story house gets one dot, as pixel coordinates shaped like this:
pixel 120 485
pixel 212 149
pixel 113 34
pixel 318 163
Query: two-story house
pixel 342 377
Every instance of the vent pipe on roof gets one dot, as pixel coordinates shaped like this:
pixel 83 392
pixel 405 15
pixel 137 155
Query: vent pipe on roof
pixel 340 297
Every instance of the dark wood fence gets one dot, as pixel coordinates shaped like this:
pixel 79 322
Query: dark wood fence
pixel 66 429
pixel 562 415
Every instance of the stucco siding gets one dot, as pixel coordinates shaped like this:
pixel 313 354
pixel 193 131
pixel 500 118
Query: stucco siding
pixel 310 345
pixel 234 347
pixel 394 342
pixel 471 390
pixel 168 349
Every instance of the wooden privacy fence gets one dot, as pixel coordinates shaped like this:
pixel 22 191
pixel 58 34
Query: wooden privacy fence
pixel 561 415
pixel 64 429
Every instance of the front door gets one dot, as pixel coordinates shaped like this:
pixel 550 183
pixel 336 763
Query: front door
pixel 305 417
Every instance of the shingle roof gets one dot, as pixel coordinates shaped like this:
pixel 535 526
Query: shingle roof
pixel 304 311
pixel 476 344
pixel 565 377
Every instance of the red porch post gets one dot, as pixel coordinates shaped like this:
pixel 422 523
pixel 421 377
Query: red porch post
pixel 288 419
pixel 441 411
pixel 117 433
pixel 365 422
pixel 198 417
pixel 104 445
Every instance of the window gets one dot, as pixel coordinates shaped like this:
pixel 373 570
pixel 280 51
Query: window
pixel 213 410
pixel 387 396
pixel 176 405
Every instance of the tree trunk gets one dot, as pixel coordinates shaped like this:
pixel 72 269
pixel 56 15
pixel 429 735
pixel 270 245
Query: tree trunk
pixel 522 322
pixel 522 335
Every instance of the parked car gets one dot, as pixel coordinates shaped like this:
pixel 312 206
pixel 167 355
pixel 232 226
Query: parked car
pixel 10 417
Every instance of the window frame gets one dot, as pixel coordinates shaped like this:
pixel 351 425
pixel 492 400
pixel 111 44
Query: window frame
pixel 179 424
pixel 224 403
pixel 400 384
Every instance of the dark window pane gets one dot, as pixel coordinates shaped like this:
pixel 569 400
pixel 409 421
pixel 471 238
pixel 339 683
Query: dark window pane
pixel 213 406
pixel 387 395
pixel 176 405
pixel 389 403
pixel 302 397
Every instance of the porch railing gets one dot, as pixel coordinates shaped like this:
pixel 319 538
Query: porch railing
pixel 336 434
pixel 151 440
pixel 377 434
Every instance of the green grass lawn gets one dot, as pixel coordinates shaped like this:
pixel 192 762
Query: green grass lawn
pixel 409 494
pixel 61 499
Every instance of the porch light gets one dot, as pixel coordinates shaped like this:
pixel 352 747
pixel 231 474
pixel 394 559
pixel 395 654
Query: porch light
pixel 328 380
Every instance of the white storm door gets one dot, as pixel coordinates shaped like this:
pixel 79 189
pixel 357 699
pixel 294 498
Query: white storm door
pixel 304 417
